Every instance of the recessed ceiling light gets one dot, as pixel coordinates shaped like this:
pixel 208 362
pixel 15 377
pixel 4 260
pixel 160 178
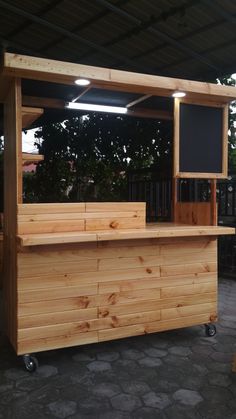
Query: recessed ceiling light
pixel 178 94
pixel 82 82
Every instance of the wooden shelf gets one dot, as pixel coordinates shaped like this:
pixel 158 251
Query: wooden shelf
pixel 32 158
pixel 29 115
pixel 151 231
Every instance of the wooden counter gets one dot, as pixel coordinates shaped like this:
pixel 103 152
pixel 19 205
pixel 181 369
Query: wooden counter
pixel 87 284
pixel 152 230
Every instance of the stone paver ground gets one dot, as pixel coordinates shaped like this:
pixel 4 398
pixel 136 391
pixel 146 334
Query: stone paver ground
pixel 178 374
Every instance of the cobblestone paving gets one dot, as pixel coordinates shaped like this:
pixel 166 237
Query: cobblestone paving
pixel 177 374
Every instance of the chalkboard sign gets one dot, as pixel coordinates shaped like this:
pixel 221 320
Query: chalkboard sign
pixel 201 145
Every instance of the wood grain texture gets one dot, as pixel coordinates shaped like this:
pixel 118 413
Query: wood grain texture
pixel 91 292
pixel 12 196
pixel 194 213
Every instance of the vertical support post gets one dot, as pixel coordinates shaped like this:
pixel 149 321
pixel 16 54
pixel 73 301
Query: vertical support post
pixel 213 203
pixel 12 196
pixel 234 364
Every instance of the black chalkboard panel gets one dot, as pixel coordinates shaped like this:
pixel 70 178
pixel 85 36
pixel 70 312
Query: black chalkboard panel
pixel 200 139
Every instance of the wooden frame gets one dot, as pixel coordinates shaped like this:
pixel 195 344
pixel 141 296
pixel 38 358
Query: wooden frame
pixel 176 171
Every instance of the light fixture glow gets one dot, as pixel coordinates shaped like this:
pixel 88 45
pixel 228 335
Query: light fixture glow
pixel 233 76
pixel 95 108
pixel 178 94
pixel 82 82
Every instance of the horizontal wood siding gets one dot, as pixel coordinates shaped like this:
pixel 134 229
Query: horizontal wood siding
pixel 81 293
pixel 56 218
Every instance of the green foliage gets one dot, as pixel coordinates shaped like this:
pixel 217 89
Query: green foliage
pixel 87 158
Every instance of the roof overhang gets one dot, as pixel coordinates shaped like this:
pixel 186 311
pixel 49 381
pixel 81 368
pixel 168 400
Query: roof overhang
pixel 15 65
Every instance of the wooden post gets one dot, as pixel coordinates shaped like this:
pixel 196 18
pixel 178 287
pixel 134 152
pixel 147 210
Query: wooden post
pixel 213 203
pixel 12 196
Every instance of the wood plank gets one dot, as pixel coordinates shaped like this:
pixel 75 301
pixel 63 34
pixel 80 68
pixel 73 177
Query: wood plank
pixel 115 223
pixel 36 320
pixel 168 292
pixel 174 313
pixel 123 297
pixel 50 208
pixel 115 206
pixel 65 72
pixel 190 268
pixel 76 327
pixel 194 213
pixel 128 262
pixel 83 278
pixel 38 345
pixel 143 283
pixel 57 306
pixel 57 226
pixel 56 238
pixel 29 115
pixel 50 255
pixel 152 327
pixel 136 307
pixel 77 216
pixel 31 158
pixel 88 265
pixel 57 293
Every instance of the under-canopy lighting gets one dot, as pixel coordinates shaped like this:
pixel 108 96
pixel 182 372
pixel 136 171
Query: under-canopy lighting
pixel 178 94
pixel 95 108
pixel 82 82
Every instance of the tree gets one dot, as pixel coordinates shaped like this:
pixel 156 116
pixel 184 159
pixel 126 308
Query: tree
pixel 88 157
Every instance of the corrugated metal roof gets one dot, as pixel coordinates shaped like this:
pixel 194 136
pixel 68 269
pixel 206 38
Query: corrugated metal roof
pixel 178 38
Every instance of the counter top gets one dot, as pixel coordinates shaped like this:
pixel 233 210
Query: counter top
pixel 152 230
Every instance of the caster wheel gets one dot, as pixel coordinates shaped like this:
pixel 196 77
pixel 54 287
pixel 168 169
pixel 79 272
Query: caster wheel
pixel 210 330
pixel 30 362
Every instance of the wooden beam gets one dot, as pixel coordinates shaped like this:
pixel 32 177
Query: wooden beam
pixel 140 99
pixel 64 72
pixel 29 115
pixel 32 158
pixel 60 104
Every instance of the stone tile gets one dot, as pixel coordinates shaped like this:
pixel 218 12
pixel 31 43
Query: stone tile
pixel 187 397
pixel 83 357
pixel 156 400
pixel 221 380
pixel 148 413
pixel 135 387
pixel 180 351
pixel 150 362
pixel 93 405
pixel 106 390
pixel 126 402
pixel 108 356
pixel 99 366
pixel 182 412
pixel 156 353
pixel 132 354
pixel 62 408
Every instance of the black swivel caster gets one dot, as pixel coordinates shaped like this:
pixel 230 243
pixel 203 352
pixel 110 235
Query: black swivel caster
pixel 30 362
pixel 210 330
